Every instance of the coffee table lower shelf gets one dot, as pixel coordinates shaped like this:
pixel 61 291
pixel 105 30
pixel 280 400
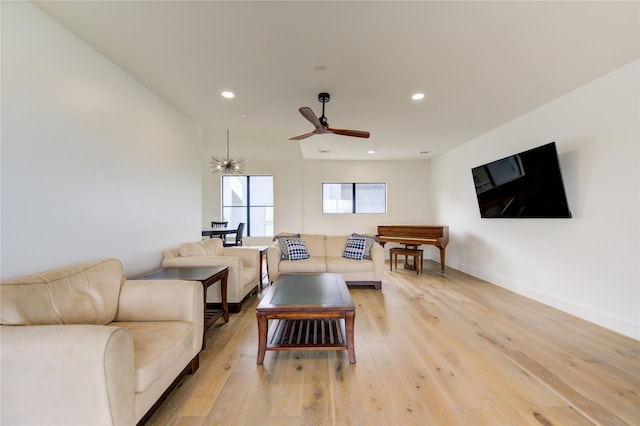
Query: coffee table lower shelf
pixel 307 334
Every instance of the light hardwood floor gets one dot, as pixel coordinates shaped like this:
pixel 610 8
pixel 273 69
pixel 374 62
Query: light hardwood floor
pixel 432 349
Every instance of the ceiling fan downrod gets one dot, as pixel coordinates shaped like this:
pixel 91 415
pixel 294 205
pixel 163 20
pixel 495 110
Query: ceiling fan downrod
pixel 324 98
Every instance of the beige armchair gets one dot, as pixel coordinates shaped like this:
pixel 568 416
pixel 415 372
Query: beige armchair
pixel 243 262
pixel 82 345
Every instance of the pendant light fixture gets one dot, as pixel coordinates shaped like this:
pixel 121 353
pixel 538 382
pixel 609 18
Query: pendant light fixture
pixel 227 165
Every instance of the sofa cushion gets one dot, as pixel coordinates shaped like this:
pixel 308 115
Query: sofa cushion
pixel 335 245
pixel 342 265
pixel 297 250
pixel 285 235
pixel 316 244
pixel 213 246
pixel 354 248
pixel 312 264
pixel 208 247
pixel 85 293
pixel 157 345
pixel 192 249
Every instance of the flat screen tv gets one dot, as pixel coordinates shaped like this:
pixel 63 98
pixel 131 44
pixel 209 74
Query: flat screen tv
pixel 524 185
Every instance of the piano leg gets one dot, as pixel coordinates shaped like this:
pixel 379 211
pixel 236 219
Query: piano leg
pixel 442 250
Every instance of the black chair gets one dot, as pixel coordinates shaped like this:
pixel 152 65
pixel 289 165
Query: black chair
pixel 238 240
pixel 215 224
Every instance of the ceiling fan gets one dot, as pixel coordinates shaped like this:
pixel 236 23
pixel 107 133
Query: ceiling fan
pixel 321 124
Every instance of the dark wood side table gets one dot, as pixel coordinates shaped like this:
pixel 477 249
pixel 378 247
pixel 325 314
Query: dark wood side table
pixel 208 277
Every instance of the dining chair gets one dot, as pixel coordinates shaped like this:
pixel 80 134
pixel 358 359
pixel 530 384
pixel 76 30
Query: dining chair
pixel 215 224
pixel 238 240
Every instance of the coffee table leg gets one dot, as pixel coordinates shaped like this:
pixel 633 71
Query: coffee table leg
pixel 349 326
pixel 262 337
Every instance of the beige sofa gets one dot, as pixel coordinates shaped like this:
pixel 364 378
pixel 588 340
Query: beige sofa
pixel 82 345
pixel 243 262
pixel 326 255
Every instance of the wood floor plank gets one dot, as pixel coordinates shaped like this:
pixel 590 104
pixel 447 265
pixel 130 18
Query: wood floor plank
pixel 370 388
pixel 405 403
pixel 232 402
pixel 432 349
pixel 317 405
pixel 189 421
pixel 285 383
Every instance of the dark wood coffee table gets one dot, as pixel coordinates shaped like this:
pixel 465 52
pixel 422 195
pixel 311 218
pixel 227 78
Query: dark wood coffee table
pixel 308 312
pixel 208 277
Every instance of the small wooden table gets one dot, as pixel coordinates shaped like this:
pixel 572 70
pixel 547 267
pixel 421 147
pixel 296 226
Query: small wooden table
pixel 208 277
pixel 308 312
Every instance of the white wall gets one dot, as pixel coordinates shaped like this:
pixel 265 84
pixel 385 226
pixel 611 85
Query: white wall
pixel 407 195
pixel 93 163
pixel 266 152
pixel 298 184
pixel 587 265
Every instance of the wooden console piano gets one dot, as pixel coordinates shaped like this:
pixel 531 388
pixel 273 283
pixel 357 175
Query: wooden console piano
pixel 413 236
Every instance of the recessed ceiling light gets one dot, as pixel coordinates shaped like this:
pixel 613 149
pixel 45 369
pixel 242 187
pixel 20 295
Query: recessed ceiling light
pixel 244 115
pixel 228 95
pixel 417 96
pixel 371 152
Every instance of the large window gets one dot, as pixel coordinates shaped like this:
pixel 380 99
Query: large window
pixel 248 199
pixel 354 197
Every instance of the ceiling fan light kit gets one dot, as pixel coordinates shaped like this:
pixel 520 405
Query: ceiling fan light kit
pixel 322 125
pixel 227 165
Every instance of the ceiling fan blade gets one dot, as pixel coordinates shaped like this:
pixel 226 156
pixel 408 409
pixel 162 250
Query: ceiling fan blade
pixel 321 125
pixel 300 137
pixel 353 133
pixel 311 116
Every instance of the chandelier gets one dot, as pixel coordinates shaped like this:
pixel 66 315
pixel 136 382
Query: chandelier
pixel 227 165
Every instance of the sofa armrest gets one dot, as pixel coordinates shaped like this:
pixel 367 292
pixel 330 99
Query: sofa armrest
pixel 250 256
pixel 160 300
pixel 202 261
pixel 377 256
pixel 67 374
pixel 273 261
pixel 170 253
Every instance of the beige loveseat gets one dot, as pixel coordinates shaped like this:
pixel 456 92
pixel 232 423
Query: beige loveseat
pixel 82 345
pixel 243 262
pixel 326 255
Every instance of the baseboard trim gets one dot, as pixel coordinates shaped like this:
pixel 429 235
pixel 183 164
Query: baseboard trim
pixel 587 313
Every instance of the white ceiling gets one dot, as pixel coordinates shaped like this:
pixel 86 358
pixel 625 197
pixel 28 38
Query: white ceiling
pixel 480 64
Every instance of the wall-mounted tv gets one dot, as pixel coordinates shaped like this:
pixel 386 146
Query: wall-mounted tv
pixel 524 185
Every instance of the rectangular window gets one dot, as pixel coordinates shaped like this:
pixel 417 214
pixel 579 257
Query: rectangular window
pixel 248 199
pixel 354 197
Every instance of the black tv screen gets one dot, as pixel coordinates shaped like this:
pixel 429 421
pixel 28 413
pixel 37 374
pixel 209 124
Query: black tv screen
pixel 524 185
